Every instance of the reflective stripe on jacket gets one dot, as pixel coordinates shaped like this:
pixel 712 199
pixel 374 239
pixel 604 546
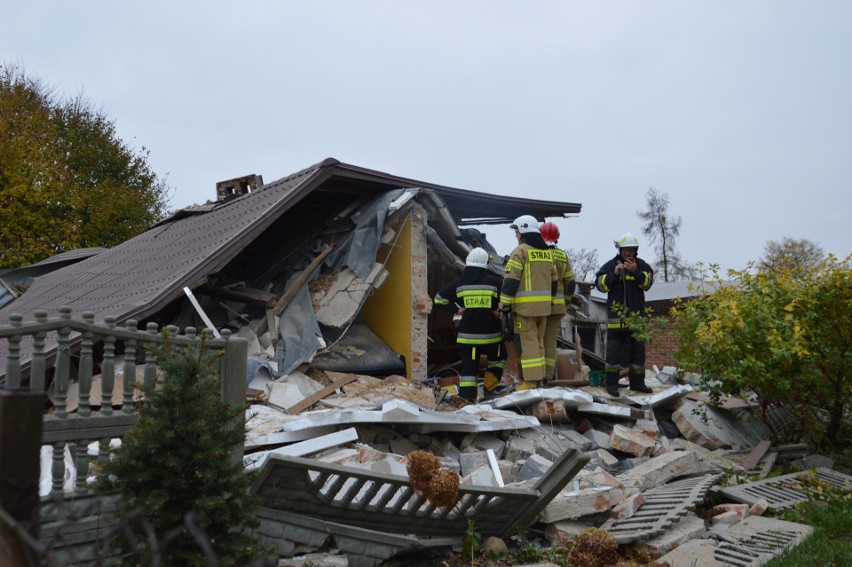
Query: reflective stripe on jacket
pixel 565 283
pixel 637 283
pixel 476 291
pixel 530 282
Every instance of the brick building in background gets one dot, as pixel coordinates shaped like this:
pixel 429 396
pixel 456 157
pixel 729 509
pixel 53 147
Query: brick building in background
pixel 660 298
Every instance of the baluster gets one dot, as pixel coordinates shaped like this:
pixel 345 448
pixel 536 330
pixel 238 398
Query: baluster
pixel 333 487
pixel 38 363
pixel 129 368
pixel 405 494
pixel 390 491
pixel 57 469
pixel 465 503
pixel 13 359
pixel 367 499
pixel 63 366
pixel 86 366
pixel 415 502
pixel 104 452
pixel 108 369
pixel 81 463
pixel 481 504
pixel 72 456
pixel 353 490
pixel 150 360
pixel 428 509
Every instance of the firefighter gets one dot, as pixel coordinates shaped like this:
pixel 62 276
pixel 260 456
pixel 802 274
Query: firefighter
pixel 624 279
pixel 475 296
pixel 565 286
pixel 527 294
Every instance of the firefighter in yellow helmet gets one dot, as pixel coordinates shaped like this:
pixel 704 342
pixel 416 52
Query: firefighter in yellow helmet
pixel 529 287
pixel 565 286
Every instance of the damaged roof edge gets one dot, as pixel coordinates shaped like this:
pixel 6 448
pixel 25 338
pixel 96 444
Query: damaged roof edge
pixel 468 207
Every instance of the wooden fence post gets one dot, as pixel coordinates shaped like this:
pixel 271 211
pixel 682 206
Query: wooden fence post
pixel 233 386
pixel 20 446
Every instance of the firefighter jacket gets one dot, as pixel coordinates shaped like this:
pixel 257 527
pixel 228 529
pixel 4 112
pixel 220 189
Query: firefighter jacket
pixel 477 291
pixel 565 283
pixel 628 290
pixel 530 283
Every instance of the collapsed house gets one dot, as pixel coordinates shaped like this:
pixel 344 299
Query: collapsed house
pixel 332 258
pixel 329 274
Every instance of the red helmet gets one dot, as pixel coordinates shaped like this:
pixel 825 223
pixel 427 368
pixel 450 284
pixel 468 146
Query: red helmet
pixel 549 232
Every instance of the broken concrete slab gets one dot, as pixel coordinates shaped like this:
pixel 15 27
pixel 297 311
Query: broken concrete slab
pixel 631 441
pixel 291 389
pixel 483 442
pixel 613 410
pixel 687 528
pixel 600 439
pixel 339 300
pixel 526 398
pixel 711 427
pixel 314 445
pixel 468 419
pixel 575 504
pixel 660 470
pixel 703 453
pixel 752 542
pixel 469 462
pixel 664 398
pixel 787 490
pixel 534 467
pixel 663 507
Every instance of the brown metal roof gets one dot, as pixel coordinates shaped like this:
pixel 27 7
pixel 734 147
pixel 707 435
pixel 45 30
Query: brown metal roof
pixel 141 276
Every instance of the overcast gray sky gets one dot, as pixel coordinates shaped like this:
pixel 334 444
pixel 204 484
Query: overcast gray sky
pixel 738 110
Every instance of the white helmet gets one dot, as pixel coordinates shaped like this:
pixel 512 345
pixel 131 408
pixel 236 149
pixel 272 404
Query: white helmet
pixel 525 224
pixel 626 240
pixel 478 258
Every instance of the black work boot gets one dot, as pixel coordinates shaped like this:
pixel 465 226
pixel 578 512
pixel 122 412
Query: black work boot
pixel 638 385
pixel 612 390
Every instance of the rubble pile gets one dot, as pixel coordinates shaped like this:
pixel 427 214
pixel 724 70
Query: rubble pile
pixel 650 463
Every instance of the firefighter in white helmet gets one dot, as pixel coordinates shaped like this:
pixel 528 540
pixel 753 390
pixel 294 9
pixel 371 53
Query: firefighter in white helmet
pixel 527 293
pixel 475 297
pixel 624 279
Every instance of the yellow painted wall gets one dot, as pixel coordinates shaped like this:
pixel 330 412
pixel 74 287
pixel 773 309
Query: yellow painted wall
pixel 388 310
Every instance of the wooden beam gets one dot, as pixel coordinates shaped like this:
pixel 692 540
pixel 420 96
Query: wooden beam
pixel 297 285
pixel 759 451
pixel 311 400
pixel 294 288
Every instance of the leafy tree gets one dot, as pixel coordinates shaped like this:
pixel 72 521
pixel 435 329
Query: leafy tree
pixel 183 497
pixel 66 179
pixel 584 262
pixel 784 337
pixel 796 256
pixel 661 229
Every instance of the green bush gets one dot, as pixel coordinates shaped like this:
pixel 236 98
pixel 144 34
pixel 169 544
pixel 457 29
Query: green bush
pixel 183 496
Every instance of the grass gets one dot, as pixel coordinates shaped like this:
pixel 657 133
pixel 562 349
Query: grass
pixel 831 543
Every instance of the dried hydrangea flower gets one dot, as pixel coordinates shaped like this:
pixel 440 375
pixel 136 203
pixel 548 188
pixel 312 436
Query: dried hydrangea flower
pixel 444 488
pixel 421 466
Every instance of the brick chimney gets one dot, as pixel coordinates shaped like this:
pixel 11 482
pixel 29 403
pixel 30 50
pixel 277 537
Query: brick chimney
pixel 233 188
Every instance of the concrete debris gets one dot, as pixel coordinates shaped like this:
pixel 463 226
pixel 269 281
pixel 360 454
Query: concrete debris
pixel 639 482
pixel 752 542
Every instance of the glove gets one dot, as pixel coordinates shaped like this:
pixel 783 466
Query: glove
pixel 507 326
